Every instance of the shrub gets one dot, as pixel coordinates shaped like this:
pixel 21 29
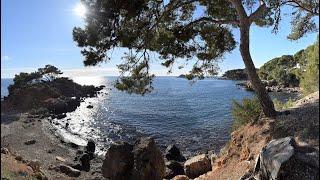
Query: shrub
pixel 245 112
pixel 278 105
pixel 310 79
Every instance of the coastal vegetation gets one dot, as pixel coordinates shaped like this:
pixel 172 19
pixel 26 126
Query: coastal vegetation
pixel 269 139
pixel 294 70
pixel 235 74
pixel 310 77
pixel 244 112
pixel 282 105
pixel 286 73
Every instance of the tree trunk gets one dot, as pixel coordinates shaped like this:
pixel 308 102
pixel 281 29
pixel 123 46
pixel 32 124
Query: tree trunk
pixel 264 98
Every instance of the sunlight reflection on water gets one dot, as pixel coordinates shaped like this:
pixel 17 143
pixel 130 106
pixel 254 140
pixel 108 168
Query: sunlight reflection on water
pixel 196 118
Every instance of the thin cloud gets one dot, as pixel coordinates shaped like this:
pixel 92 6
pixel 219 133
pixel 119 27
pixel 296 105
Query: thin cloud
pixel 5 58
pixel 91 72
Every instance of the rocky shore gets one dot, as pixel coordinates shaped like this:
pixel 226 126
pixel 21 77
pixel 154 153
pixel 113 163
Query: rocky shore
pixel 270 87
pixel 29 141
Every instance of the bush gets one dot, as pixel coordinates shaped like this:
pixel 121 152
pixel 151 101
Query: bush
pixel 310 78
pixel 245 112
pixel 278 105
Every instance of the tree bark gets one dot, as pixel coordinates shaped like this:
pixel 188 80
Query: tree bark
pixel 262 94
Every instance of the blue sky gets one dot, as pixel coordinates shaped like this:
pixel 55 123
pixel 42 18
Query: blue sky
pixel 39 32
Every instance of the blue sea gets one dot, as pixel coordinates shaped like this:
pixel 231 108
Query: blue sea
pixel 194 115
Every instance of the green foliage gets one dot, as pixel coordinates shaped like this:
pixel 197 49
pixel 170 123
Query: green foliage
pixel 236 74
pixel 310 78
pixel 279 69
pixel 305 133
pixel 303 13
pixel 49 72
pixel 290 70
pixel 25 78
pixel 245 112
pixel 168 30
pixel 282 106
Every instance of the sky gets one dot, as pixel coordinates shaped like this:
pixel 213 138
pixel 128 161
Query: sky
pixel 39 32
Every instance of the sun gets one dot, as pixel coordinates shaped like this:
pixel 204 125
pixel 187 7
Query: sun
pixel 80 10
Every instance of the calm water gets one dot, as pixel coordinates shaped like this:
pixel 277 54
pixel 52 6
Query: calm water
pixel 196 116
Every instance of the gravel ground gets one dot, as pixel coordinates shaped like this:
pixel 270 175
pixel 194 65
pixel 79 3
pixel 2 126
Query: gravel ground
pixel 17 129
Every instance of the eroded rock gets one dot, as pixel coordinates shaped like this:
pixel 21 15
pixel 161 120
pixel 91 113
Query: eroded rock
pixel 173 168
pixel 91 146
pixel 141 161
pixel 118 161
pixel 285 159
pixel 173 153
pixel 148 160
pixel 197 165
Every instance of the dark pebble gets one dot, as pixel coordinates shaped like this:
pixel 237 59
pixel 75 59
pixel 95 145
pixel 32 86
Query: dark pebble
pixel 30 142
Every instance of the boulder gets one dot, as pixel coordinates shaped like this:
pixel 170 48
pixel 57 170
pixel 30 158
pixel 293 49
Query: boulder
pixel 85 162
pixel 69 171
pixel 173 168
pixel 118 161
pixel 141 161
pixel 180 177
pixel 91 146
pixel 89 106
pixel 197 166
pixel 148 160
pixel 285 159
pixel 173 153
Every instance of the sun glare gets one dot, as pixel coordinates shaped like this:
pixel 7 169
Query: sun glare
pixel 80 10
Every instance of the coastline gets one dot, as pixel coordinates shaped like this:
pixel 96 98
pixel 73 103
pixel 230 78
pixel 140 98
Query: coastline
pixel 51 149
pixel 16 130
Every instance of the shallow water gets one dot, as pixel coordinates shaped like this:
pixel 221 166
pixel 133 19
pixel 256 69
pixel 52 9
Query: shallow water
pixel 195 116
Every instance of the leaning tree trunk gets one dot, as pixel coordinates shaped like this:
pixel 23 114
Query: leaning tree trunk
pixel 264 98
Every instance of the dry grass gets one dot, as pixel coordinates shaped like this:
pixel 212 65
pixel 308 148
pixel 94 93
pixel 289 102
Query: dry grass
pixel 246 142
pixel 13 169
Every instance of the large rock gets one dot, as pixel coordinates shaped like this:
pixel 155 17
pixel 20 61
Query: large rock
pixel 118 162
pixel 85 162
pixel 91 146
pixel 197 166
pixel 141 161
pixel 173 168
pixel 60 106
pixel 173 153
pixel 285 159
pixel 148 160
pixel 181 177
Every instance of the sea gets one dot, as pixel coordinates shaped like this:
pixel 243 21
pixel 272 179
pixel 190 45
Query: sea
pixel 194 115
